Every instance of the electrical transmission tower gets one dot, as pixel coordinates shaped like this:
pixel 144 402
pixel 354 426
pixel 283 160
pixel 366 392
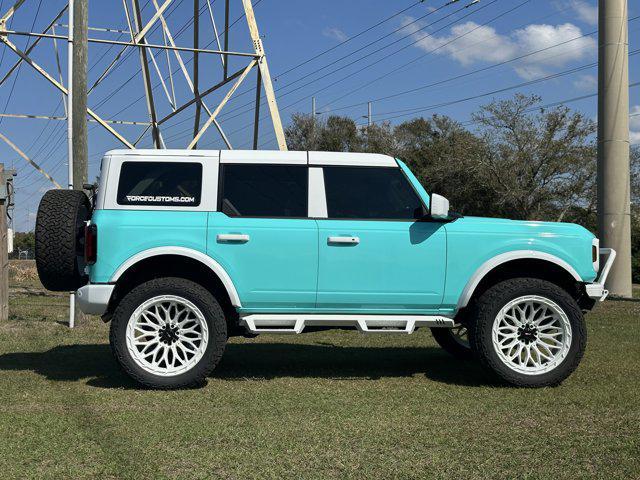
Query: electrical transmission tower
pixel 149 35
pixel 150 42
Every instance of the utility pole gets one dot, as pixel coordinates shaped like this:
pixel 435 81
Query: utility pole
pixel 77 110
pixel 369 114
pixel 79 88
pixel 4 254
pixel 6 178
pixel 313 107
pixel 614 213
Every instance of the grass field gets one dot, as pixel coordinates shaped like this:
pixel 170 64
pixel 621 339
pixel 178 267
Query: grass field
pixel 321 405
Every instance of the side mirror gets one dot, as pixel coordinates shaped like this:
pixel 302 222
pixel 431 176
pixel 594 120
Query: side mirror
pixel 439 207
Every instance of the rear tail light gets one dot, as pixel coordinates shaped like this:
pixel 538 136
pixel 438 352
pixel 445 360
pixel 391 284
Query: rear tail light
pixel 90 244
pixel 595 254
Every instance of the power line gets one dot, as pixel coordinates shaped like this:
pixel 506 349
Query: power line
pixel 479 70
pixel 413 111
pixel 329 50
pixel 227 117
pixel 387 35
pixel 457 77
pixel 557 103
pixel 362 32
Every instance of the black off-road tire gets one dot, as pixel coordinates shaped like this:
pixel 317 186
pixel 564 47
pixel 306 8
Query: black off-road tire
pixel 59 248
pixel 450 344
pixel 196 294
pixel 489 304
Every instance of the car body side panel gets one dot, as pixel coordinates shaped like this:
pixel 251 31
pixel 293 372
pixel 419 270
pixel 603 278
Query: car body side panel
pixel 396 265
pixel 472 241
pixel 124 233
pixel 277 268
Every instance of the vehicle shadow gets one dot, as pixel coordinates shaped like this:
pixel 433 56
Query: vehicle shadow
pixel 261 361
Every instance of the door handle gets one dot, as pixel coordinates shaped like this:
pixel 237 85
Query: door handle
pixel 343 240
pixel 232 237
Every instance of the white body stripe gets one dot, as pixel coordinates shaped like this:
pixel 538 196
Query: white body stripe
pixel 492 263
pixel 184 252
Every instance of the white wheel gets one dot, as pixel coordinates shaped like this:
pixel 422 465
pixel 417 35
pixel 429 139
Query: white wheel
pixel 531 335
pixel 167 335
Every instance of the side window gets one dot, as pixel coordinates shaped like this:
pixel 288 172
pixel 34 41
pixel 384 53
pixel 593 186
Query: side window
pixel 376 193
pixel 160 183
pixel 250 190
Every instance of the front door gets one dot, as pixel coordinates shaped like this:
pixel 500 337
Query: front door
pixel 375 254
pixel 263 237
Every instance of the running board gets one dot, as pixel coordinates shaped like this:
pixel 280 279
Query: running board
pixel 295 323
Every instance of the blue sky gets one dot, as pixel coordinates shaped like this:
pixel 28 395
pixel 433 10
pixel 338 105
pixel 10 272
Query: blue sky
pixel 419 62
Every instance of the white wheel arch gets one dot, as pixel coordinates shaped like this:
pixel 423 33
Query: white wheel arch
pixel 206 260
pixel 498 260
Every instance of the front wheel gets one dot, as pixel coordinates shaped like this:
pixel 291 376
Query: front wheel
pixel 529 332
pixel 168 333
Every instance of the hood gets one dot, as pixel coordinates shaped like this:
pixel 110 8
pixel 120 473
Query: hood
pixel 529 227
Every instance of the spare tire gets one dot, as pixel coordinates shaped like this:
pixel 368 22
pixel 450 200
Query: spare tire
pixel 60 223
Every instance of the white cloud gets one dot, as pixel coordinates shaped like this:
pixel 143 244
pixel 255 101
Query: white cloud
pixel 586 83
pixel 586 11
pixel 335 33
pixel 634 125
pixel 471 43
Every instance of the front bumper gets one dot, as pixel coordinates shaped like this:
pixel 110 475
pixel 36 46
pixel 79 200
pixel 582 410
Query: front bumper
pixel 93 299
pixel 596 289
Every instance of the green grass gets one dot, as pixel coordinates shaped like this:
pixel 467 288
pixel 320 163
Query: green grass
pixel 322 405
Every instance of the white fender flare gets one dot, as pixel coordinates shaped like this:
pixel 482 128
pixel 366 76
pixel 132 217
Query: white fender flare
pixel 183 252
pixel 493 262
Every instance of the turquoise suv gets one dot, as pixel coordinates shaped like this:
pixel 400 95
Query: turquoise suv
pixel 182 249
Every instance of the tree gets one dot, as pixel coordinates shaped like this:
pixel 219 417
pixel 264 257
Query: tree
pixel 445 158
pixel 539 165
pixel 378 139
pixel 23 241
pixel 335 134
pixel 302 132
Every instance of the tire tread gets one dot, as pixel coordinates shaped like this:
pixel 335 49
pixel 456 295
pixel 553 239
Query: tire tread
pixel 217 337
pixel 500 294
pixel 56 242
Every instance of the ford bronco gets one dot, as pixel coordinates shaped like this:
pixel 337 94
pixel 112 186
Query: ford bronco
pixel 182 249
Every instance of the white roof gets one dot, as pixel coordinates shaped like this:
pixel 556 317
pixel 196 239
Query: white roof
pixel 270 156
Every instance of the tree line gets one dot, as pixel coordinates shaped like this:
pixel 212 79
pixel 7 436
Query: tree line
pixel 514 159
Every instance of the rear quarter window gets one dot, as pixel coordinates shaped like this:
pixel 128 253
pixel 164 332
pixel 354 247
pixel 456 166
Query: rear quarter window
pixel 160 184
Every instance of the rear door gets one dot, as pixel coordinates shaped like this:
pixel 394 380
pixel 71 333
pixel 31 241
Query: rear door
pixel 375 254
pixel 261 233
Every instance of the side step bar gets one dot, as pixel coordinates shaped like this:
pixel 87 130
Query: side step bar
pixel 295 323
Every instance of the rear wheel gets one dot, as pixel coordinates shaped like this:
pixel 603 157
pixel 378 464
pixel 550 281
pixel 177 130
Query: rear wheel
pixel 529 332
pixel 168 333
pixel 454 341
